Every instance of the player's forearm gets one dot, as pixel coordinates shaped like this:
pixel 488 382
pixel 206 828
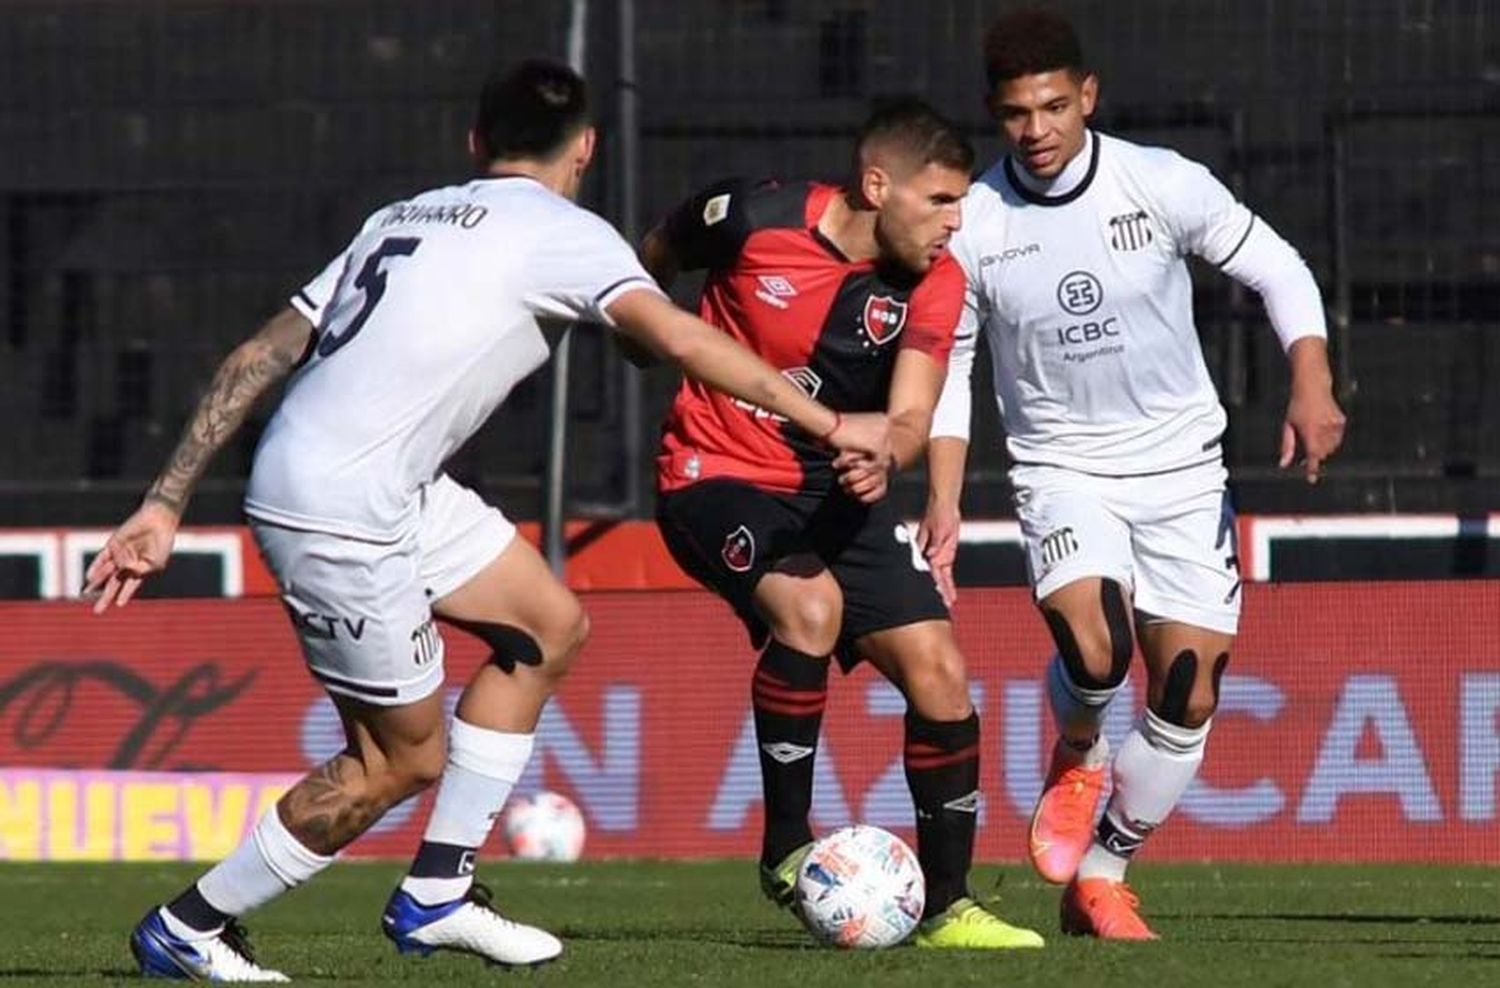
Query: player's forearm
pixel 909 430
pixel 246 374
pixel 946 456
pixel 708 356
pixel 1308 359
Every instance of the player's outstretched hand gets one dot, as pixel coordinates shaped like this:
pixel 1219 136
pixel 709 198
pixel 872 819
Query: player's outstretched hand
pixel 137 549
pixel 862 478
pixel 937 537
pixel 1314 426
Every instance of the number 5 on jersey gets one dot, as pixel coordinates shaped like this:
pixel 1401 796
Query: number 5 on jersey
pixel 371 282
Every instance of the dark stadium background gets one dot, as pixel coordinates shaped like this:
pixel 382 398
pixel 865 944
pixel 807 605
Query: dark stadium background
pixel 172 171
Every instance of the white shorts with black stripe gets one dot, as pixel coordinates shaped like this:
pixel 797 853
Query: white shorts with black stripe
pixel 1169 539
pixel 363 610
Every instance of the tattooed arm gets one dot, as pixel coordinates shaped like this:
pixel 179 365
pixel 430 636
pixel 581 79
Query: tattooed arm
pixel 246 374
pixel 141 546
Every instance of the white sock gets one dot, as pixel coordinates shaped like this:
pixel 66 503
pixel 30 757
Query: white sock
pixel 1076 710
pixel 266 864
pixel 483 767
pixel 1153 768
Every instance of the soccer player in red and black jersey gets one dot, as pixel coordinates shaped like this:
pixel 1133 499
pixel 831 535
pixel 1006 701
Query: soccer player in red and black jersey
pixel 851 293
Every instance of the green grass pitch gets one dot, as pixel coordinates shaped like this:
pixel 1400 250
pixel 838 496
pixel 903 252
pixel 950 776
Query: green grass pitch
pixel 658 923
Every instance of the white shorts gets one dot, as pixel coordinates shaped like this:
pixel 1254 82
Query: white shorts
pixel 1168 538
pixel 363 610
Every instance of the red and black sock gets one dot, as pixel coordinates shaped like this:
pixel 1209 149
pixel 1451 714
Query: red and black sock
pixel 788 693
pixel 942 770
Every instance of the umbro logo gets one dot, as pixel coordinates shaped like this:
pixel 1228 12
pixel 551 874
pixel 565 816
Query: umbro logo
pixel 785 752
pixel 964 804
pixel 775 289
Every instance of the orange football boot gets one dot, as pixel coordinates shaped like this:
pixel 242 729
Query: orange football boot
pixel 1099 907
pixel 1062 825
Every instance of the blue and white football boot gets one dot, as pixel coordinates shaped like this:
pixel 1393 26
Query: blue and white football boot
pixel 221 956
pixel 471 925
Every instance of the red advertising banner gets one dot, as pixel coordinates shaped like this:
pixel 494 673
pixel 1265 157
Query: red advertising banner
pixel 1359 722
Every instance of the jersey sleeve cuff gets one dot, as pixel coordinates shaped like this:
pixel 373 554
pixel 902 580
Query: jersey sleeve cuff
pixel 607 297
pixel 304 304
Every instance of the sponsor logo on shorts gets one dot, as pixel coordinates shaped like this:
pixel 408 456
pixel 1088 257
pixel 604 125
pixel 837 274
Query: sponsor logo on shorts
pixel 324 627
pixel 884 318
pixel 1058 545
pixel 739 550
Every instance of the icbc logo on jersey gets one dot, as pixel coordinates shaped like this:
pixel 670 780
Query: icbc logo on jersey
pixel 884 318
pixel 739 550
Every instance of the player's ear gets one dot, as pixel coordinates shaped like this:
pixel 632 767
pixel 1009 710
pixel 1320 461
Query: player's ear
pixel 583 148
pixel 477 149
pixel 1088 94
pixel 874 185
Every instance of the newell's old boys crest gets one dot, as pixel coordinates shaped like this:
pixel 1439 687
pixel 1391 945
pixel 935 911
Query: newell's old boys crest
pixel 884 318
pixel 739 550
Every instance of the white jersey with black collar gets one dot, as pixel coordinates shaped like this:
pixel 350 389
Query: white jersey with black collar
pixel 426 322
pixel 1082 291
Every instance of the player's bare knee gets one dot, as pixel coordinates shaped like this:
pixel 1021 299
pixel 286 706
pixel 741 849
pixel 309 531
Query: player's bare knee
pixel 1189 692
pixel 559 651
pixel 937 683
pixel 811 621
pixel 1096 652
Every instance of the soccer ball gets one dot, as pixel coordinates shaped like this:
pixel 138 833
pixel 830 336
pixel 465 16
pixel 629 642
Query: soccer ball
pixel 860 887
pixel 544 827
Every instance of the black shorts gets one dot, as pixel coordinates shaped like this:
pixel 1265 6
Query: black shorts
pixel 727 534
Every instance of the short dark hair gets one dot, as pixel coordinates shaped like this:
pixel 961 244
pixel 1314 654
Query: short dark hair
pixel 1028 42
pixel 531 110
pixel 912 128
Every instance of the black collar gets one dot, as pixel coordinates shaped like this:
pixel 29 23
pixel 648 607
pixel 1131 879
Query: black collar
pixel 1040 199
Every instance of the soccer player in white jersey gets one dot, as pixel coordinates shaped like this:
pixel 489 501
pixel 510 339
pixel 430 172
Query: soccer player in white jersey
pixel 1075 246
pixel 404 345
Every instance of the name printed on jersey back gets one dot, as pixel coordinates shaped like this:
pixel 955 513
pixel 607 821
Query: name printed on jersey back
pixel 467 215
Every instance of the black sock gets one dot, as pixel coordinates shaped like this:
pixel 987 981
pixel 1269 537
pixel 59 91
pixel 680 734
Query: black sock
pixel 193 910
pixel 788 693
pixel 436 860
pixel 942 771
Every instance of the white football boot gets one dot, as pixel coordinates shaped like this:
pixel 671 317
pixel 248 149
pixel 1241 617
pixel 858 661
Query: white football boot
pixel 469 924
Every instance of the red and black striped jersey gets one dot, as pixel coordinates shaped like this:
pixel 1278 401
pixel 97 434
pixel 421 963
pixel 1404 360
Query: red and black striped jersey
pixel 833 326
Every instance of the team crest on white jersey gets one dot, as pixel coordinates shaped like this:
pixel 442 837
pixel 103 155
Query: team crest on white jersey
pixel 739 550
pixel 1130 231
pixel 884 318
